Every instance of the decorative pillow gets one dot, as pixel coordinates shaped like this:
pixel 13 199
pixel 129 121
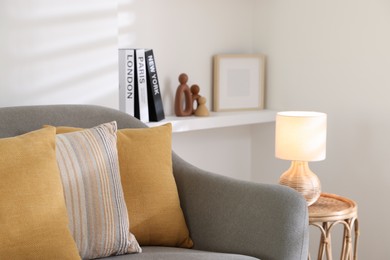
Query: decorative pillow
pixel 33 217
pixel 145 161
pixel 88 163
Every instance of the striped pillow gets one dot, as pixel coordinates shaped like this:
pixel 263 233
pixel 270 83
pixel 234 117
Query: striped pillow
pixel 98 218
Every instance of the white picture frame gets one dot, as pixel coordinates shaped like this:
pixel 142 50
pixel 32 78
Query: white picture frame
pixel 238 82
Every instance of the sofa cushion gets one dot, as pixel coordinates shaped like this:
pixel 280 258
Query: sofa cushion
pixel 33 216
pixel 88 163
pixel 172 253
pixel 145 159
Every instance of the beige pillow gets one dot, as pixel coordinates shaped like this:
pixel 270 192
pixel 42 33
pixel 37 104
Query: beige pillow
pixel 88 163
pixel 33 217
pixel 145 161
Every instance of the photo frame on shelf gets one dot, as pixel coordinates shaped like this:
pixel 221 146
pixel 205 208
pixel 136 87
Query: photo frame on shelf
pixel 238 82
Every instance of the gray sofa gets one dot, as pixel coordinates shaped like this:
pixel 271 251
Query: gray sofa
pixel 227 218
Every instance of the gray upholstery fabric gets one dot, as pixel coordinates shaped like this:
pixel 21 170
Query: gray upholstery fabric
pixel 228 215
pixel 18 120
pixel 171 253
pixel 224 215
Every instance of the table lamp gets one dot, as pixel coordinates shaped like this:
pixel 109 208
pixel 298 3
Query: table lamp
pixel 300 136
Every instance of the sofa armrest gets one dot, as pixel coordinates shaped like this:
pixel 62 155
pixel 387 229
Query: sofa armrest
pixel 227 215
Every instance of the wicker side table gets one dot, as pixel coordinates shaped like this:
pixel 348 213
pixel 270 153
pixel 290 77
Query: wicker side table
pixel 328 211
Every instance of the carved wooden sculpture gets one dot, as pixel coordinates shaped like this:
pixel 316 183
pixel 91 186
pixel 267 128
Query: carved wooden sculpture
pixel 183 99
pixel 201 110
pixel 195 96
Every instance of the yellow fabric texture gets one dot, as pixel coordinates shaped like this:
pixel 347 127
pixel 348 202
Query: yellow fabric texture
pixel 33 216
pixel 145 162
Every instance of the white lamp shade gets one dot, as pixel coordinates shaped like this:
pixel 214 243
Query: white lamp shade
pixel 300 136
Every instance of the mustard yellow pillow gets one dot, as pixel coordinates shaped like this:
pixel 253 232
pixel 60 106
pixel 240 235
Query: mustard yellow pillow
pixel 33 217
pixel 149 187
pixel 145 161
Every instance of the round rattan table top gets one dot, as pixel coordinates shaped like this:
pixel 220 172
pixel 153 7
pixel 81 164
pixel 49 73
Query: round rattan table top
pixel 331 207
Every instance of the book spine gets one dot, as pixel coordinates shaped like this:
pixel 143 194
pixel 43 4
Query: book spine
pixel 126 80
pixel 156 109
pixel 142 92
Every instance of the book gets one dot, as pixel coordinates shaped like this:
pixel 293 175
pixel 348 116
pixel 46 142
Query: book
pixel 141 92
pixel 156 109
pixel 127 85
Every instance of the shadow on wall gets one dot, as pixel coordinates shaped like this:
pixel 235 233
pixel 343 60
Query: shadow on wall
pixel 60 52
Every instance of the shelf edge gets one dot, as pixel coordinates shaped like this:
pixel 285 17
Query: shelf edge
pixel 216 120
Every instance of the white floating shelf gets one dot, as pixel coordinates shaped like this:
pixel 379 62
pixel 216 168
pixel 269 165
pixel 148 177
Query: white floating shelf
pixel 217 120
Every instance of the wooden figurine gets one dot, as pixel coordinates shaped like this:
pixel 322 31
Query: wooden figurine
pixel 183 99
pixel 201 110
pixel 188 101
pixel 195 96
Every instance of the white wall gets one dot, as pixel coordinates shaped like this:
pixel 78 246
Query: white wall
pixel 56 51
pixel 334 56
pixel 223 151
